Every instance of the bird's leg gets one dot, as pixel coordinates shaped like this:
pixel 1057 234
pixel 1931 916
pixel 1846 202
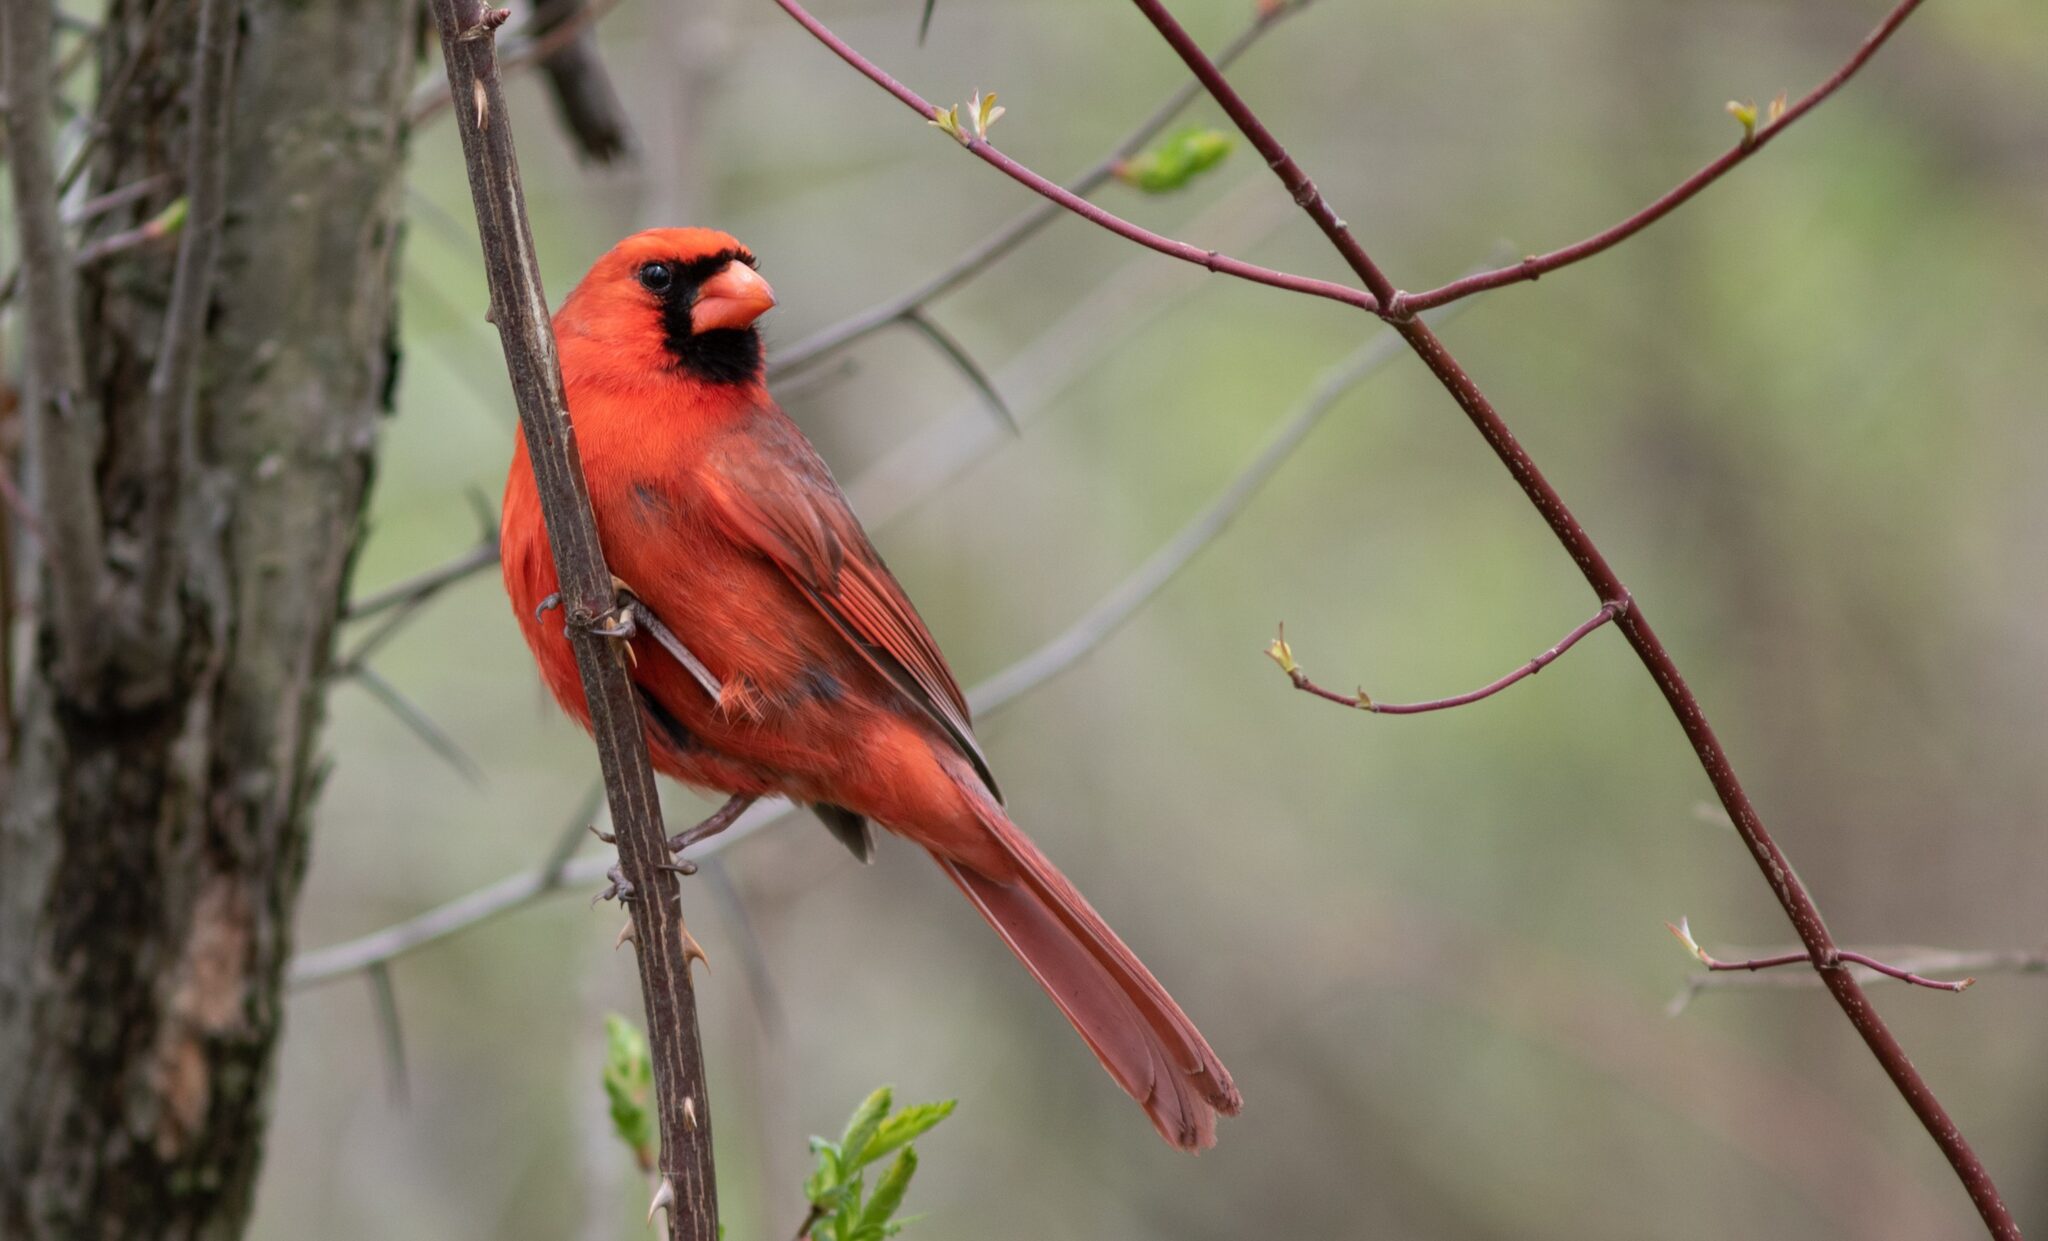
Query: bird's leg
pixel 725 816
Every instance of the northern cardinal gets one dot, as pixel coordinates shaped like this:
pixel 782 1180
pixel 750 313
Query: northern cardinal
pixel 720 518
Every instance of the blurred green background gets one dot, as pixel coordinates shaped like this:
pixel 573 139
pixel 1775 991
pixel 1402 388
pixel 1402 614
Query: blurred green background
pixel 1803 416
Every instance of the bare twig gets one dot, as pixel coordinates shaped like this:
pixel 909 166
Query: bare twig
pixel 419 589
pixel 1542 264
pixel 115 88
pixel 1095 626
pixel 149 232
pixel 113 200
pixel 1792 895
pixel 520 53
pixel 1029 222
pixel 59 410
pixel 422 725
pixel 164 224
pixel 520 310
pixel 1283 654
pixel 1915 961
pixel 1682 929
pixel 384 998
pixel 555 871
pixel 170 421
pixel 964 362
pixel 584 97
pixel 1212 260
pixel 1303 191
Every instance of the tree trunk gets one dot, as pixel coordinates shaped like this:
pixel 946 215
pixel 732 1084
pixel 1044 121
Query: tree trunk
pixel 153 827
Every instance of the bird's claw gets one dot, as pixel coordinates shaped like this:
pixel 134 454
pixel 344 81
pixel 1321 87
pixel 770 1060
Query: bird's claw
pixel 620 888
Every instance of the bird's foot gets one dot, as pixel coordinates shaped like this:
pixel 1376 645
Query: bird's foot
pixel 620 888
pixel 725 816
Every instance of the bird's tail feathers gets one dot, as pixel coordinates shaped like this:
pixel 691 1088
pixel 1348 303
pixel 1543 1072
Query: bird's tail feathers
pixel 1136 1030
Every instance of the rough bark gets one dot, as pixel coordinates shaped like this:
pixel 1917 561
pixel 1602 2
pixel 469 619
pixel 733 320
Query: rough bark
pixel 153 834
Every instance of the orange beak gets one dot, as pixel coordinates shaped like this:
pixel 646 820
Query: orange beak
pixel 733 298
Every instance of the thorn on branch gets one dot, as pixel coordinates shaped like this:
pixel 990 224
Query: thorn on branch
pixel 664 1198
pixel 487 24
pixel 692 950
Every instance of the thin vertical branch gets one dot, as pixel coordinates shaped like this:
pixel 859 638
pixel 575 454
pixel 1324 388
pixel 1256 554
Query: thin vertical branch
pixel 1607 585
pixel 519 307
pixel 171 418
pixel 59 412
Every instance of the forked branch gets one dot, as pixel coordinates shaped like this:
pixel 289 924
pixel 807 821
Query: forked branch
pixel 1382 300
pixel 1607 585
pixel 1752 141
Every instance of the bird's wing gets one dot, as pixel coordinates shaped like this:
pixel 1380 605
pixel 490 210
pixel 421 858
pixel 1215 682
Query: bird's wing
pixel 771 491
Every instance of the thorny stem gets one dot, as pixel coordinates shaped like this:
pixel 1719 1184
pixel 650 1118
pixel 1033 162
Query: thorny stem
pixel 429 100
pixel 1607 585
pixel 1364 702
pixel 1543 264
pixel 519 308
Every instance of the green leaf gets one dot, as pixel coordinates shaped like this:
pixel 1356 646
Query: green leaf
pixel 1176 161
pixel 904 1126
pixel 823 1184
pixel 889 1191
pixel 629 1085
pixel 862 1126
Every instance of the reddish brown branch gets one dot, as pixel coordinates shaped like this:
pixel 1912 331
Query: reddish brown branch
pixel 1283 655
pixel 1542 264
pixel 1607 585
pixel 1683 930
pixel 1210 259
pixel 1792 896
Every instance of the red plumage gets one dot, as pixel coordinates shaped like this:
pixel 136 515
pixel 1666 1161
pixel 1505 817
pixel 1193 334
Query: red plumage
pixel 724 522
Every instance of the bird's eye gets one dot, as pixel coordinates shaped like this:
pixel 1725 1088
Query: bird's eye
pixel 656 277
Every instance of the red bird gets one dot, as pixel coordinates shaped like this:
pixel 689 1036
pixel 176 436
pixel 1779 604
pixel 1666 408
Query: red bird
pixel 722 520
